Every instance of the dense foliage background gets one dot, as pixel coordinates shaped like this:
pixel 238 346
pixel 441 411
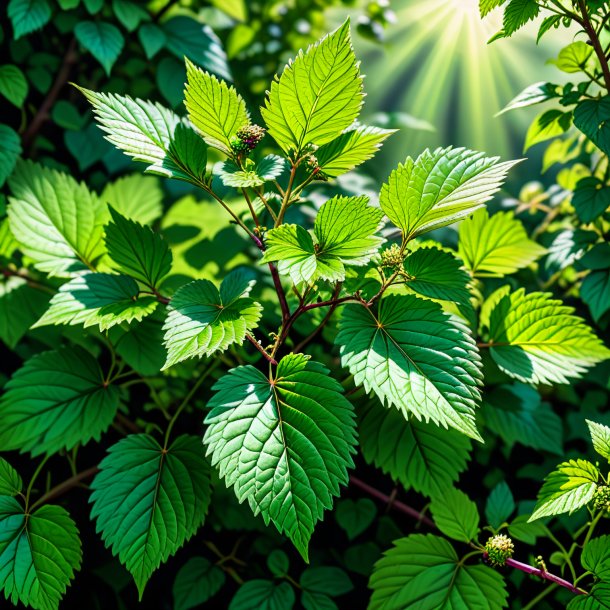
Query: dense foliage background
pixel 103 401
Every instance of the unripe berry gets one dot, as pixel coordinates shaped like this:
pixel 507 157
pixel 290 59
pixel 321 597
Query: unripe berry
pixel 247 138
pixel 601 499
pixel 498 549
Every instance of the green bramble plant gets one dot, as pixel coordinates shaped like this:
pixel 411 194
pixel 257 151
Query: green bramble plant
pixel 338 336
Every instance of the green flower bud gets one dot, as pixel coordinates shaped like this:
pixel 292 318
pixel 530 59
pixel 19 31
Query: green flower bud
pixel 498 549
pixel 392 257
pixel 601 499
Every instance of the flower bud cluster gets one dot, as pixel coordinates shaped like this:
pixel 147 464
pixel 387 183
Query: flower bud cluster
pixel 247 138
pixel 498 549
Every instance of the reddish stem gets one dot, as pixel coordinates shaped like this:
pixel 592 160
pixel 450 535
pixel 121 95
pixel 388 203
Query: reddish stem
pixel 261 349
pixel 524 567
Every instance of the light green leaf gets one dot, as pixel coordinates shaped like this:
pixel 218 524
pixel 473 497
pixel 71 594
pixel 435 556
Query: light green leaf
pixel 538 339
pixel 439 188
pixel 9 151
pixel 55 401
pixel 436 274
pixel 591 198
pixel 197 581
pixel 486 6
pixel 150 133
pixel 553 21
pixel 263 595
pixel 10 481
pixel 566 489
pixel 592 117
pixel 103 40
pixel 13 85
pixel 254 174
pixel 574 57
pixel 318 95
pixel 28 15
pixel 98 298
pixel 148 501
pixel 596 557
pixel 355 516
pixel 496 246
pixel 455 515
pixel 283 444
pixel 326 580
pixel 137 250
pixel 344 233
pixel 350 149
pixel 57 221
pixel 518 13
pixel 203 320
pixel 500 505
pixel 415 357
pixel 136 197
pixel 421 456
pixel 600 435
pixel 549 124
pixel 129 14
pixel 153 39
pixel 534 94
pixel 215 109
pixel 39 554
pixel 424 573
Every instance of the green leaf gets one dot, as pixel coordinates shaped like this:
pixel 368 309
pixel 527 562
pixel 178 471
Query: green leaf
pixel 148 500
pixel 317 601
pixel 283 444
pixel 598 598
pixel 573 57
pixel 344 232
pixel 538 339
pixel 424 573
pixel 263 595
pixel 255 174
pixel 566 489
pixel 129 14
pixel 197 581
pixel 203 320
pixel 518 13
pixel 215 109
pixel 436 274
pixel 496 246
pixel 137 250
pixel 103 40
pixel 455 515
pixel 554 21
pixel 520 529
pixel 39 553
pixel 97 298
pixel 278 563
pixel 418 455
pixel 57 221
pixel 56 400
pixel 150 133
pixel 136 197
pixel 415 357
pixel 350 149
pixel 439 188
pixel 600 435
pixel 592 117
pixel 595 292
pixel 9 151
pixel 355 516
pixel 28 15
pixel 13 85
pixel 516 415
pixel 10 481
pixel 549 124
pixel 534 94
pixel 500 505
pixel 486 6
pixel 329 581
pixel 318 95
pixel 596 557
pixel 591 198
pixel 153 39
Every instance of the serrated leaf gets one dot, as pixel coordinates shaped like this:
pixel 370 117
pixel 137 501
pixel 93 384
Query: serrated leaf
pixel 596 557
pixel 10 481
pixel 355 516
pixel 137 250
pixel 197 581
pixel 318 95
pixel 28 15
pixel 103 40
pixel 598 598
pixel 418 455
pixel 350 149
pixel 283 444
pixel 263 595
pixel 255 174
pixel 215 109
pixel 150 133
pixel 9 152
pixel 496 246
pixel 326 580
pixel 531 95
pixel 439 188
pixel 414 357
pixel 500 505
pixel 39 554
pixel 600 435
pixel 136 197
pixel 517 13
pixel 547 125
pixel 486 6
pixel 574 57
pixel 13 85
pixel 537 339
pixel 98 298
pixel 566 489
pixel 148 501
pixel 424 573
pixel 344 233
pixel 56 220
pixel 591 198
pixel 56 400
pixel 455 515
pixel 203 320
pixel 592 117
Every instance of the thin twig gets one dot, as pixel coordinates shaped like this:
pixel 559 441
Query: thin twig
pixel 62 488
pixel 261 349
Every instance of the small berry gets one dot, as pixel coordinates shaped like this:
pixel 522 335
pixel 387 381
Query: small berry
pixel 247 138
pixel 601 499
pixel 392 257
pixel 498 549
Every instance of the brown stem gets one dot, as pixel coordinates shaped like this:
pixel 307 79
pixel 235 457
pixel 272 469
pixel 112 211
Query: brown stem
pixel 127 423
pixel 67 485
pixel 281 295
pixel 594 38
pixel 261 349
pixel 44 111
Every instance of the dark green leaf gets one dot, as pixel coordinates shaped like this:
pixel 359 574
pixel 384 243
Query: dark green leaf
pixel 197 581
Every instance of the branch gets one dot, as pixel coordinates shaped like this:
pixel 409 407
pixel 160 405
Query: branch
pixel 68 484
pixel 594 38
pixel 261 349
pixel 524 567
pixel 281 295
